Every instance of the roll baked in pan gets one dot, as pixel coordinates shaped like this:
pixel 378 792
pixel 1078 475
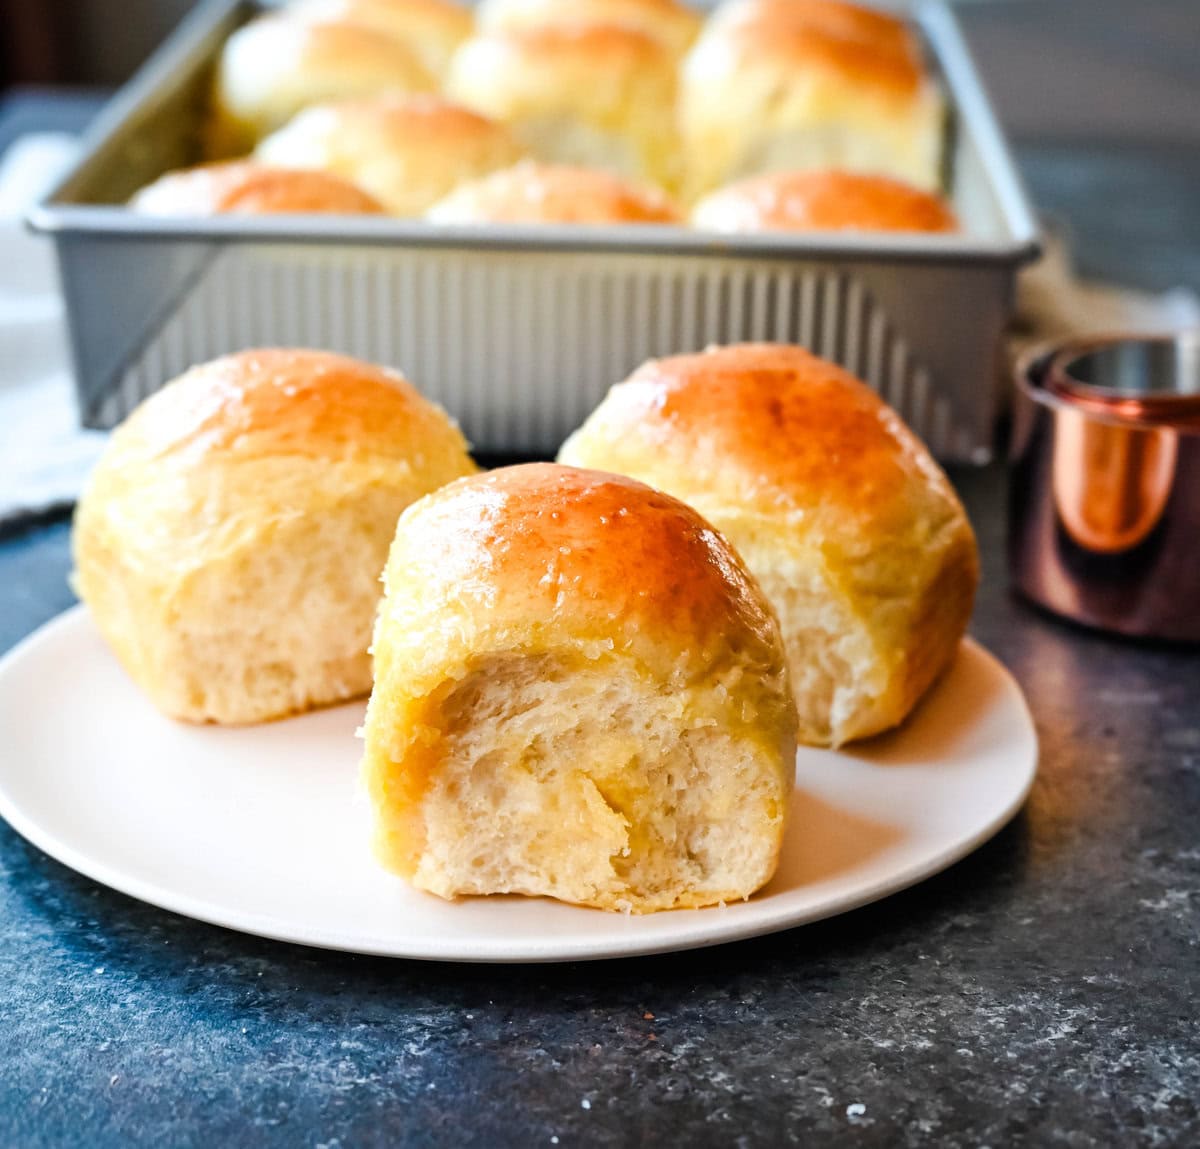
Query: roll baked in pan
pixel 408 152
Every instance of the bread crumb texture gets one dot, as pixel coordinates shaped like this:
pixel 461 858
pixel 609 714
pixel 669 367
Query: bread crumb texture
pixel 579 692
pixel 230 540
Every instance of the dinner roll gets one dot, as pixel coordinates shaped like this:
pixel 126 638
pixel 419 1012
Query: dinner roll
pixel 432 29
pixel 408 152
pixel 580 693
pixel 230 540
pixel 596 96
pixel 545 193
pixel 853 531
pixel 250 189
pixel 847 21
pixel 272 67
pixel 777 89
pixel 822 201
pixel 673 24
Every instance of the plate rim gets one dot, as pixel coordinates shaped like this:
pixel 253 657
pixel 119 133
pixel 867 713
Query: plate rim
pixel 553 950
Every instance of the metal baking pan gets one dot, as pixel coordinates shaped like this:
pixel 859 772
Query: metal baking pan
pixel 519 331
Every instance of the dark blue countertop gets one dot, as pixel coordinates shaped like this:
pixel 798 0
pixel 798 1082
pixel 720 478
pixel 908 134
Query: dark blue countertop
pixel 1040 992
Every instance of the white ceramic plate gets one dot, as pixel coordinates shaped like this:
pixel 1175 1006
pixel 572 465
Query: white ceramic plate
pixel 266 830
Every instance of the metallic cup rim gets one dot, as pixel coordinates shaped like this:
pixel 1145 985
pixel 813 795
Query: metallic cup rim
pixel 1044 374
pixel 1105 483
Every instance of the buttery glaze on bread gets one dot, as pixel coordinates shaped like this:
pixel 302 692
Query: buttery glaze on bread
pixel 230 540
pixel 579 692
pixel 431 29
pixel 852 530
pixel 546 193
pixel 592 95
pixel 822 201
pixel 407 151
pixel 846 21
pixel 782 85
pixel 251 189
pixel 675 25
pixel 272 67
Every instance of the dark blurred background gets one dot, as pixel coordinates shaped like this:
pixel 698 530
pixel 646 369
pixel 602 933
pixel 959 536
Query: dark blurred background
pixel 80 42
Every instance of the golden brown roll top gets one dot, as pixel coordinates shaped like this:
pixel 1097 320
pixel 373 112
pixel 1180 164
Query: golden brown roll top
pixel 673 24
pixel 580 692
pixel 822 201
pixel 591 95
pixel 880 31
pixel 407 151
pixel 272 67
pixel 230 539
pixel 853 531
pixel 540 555
pixel 431 29
pixel 776 86
pixel 257 406
pixel 546 193
pixel 251 189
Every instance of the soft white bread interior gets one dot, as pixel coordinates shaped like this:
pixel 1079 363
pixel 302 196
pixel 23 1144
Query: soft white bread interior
pixel 674 24
pixel 277 64
pixel 787 85
pixel 822 201
pixel 600 96
pixel 554 193
pixel 431 29
pixel 408 152
pixel 230 540
pixel 580 693
pixel 850 527
pixel 243 188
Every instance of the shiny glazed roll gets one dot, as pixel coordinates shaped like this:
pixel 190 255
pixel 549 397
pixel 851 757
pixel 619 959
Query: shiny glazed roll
pixel 407 152
pixel 673 24
pixel 852 530
pixel 230 540
pixel 580 693
pixel 272 67
pixel 776 87
pixel 431 29
pixel 251 189
pixel 822 201
pixel 847 21
pixel 545 193
pixel 592 95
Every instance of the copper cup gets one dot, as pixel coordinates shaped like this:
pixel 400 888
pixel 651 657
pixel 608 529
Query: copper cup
pixel 1104 515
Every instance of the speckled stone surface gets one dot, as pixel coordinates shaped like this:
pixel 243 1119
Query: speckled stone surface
pixel 1041 992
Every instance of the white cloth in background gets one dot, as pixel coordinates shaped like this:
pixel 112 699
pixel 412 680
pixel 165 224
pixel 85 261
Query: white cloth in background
pixel 43 452
pixel 44 455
